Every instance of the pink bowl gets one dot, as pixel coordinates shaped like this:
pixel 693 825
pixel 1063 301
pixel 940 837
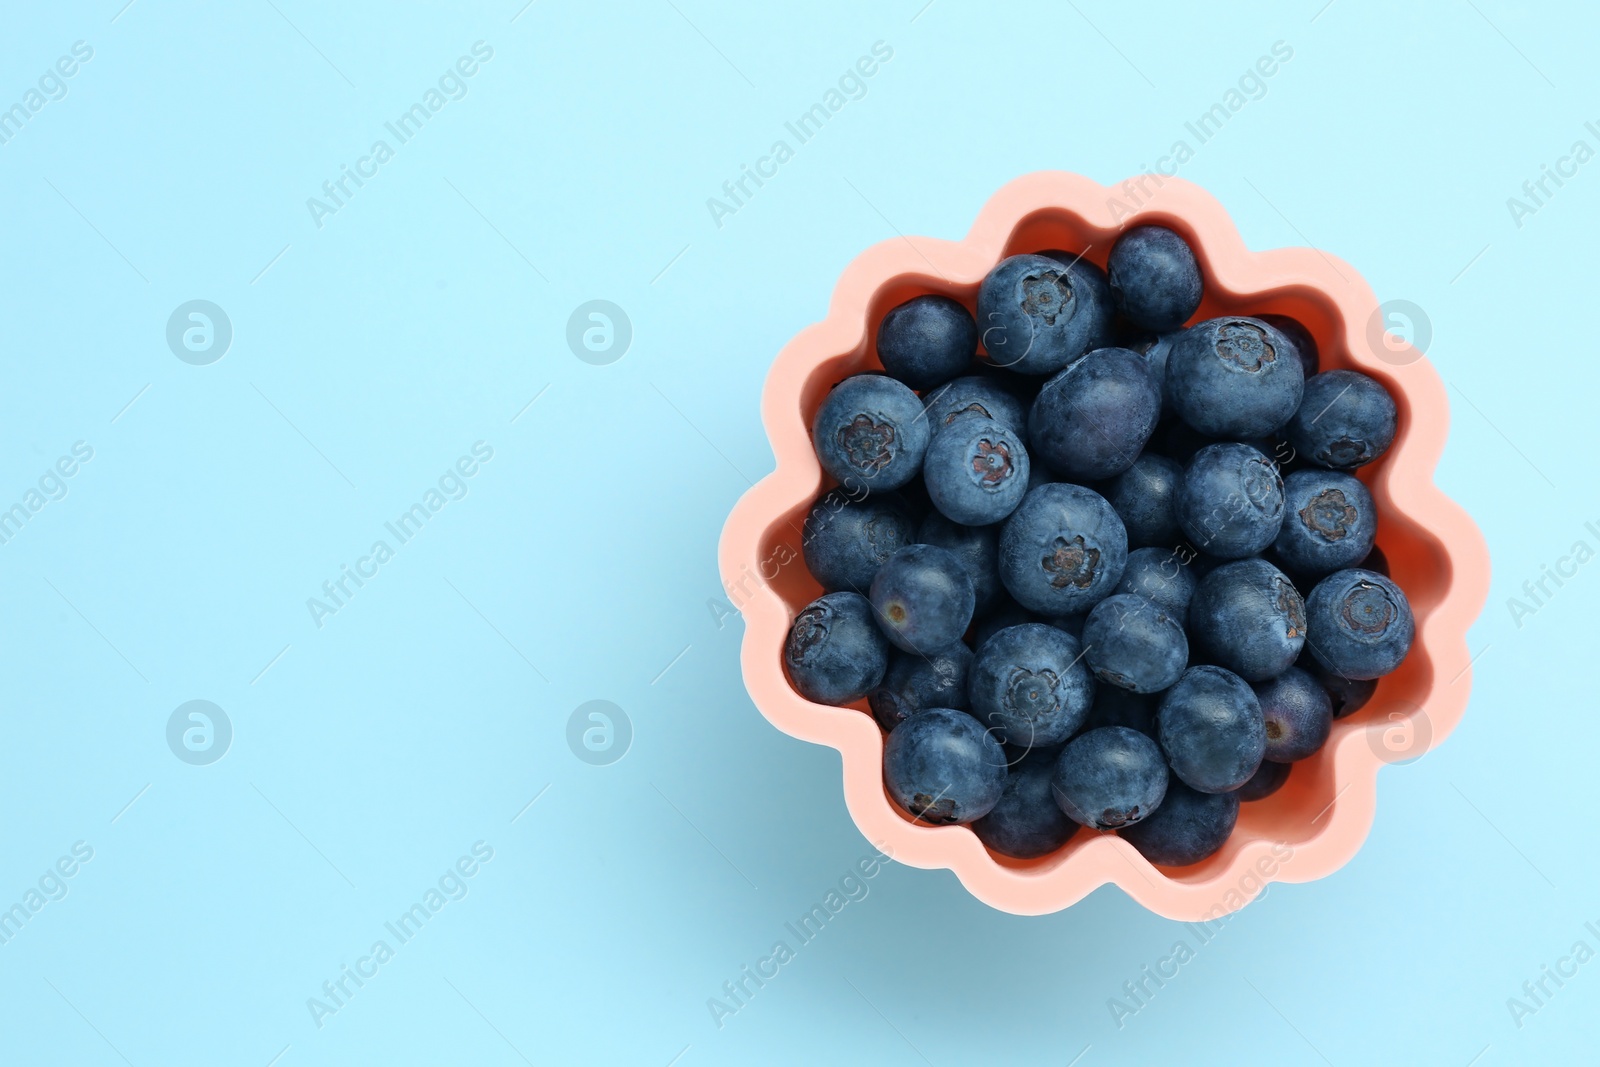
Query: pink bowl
pixel 1318 820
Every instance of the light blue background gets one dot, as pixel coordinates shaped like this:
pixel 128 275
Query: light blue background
pixel 428 712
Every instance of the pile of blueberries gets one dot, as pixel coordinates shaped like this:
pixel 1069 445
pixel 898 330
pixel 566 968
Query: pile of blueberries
pixel 1114 571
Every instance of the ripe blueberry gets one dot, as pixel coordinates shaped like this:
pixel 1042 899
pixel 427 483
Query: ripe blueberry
pixel 1248 617
pixel 1029 683
pixel 976 471
pixel 1062 551
pixel 978 548
pixel 1160 575
pixel 871 432
pixel 1345 420
pixel 927 341
pixel 835 652
pixel 1135 644
pixel 915 682
pixel 1359 624
pixel 1154 278
pixel 1234 378
pixel 1110 778
pixel 975 394
pixel 1211 729
pixel 1329 522
pixel 1297 713
pixel 1230 501
pixel 1030 317
pixel 923 598
pixel 1145 497
pixel 847 537
pixel 1188 827
pixel 1026 822
pixel 943 768
pixel 1092 419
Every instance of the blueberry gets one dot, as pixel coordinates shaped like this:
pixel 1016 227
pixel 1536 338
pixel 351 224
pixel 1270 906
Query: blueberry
pixel 1298 715
pixel 1267 780
pixel 1026 822
pixel 1234 378
pixel 1092 419
pixel 974 395
pixel 914 682
pixel 942 767
pixel 923 598
pixel 1030 317
pixel 927 341
pixel 835 652
pixel 1110 778
pixel 1154 278
pixel 1114 706
pixel 1211 729
pixel 1160 575
pixel 976 471
pixel 1305 346
pixel 1359 624
pixel 1345 420
pixel 1135 644
pixel 1248 617
pixel 1145 497
pixel 1062 551
pixel 1092 287
pixel 978 548
pixel 1348 695
pixel 1188 827
pixel 1155 348
pixel 1230 501
pixel 1029 683
pixel 1069 624
pixel 847 537
pixel 871 432
pixel 1329 522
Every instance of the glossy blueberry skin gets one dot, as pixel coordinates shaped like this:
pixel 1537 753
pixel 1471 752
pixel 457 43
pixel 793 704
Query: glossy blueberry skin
pixel 1145 497
pixel 978 548
pixel 1154 278
pixel 1031 319
pixel 1160 575
pixel 1297 713
pixel 1359 624
pixel 1234 378
pixel 871 432
pixel 847 537
pixel 1026 822
pixel 1211 729
pixel 927 341
pixel 923 599
pixel 1188 827
pixel 835 652
pixel 1348 695
pixel 1230 501
pixel 1118 707
pixel 1305 346
pixel 1110 778
pixel 1329 522
pixel 943 767
pixel 976 471
pixel 1062 551
pixel 1134 644
pixel 1092 287
pixel 1247 616
pixel 1267 780
pixel 1345 420
pixel 1092 419
pixel 1030 685
pixel 975 394
pixel 914 682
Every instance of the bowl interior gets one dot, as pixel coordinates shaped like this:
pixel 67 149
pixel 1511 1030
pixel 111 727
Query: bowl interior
pixel 1418 561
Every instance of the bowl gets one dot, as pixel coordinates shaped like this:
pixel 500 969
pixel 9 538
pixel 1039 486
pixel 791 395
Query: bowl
pixel 1318 820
